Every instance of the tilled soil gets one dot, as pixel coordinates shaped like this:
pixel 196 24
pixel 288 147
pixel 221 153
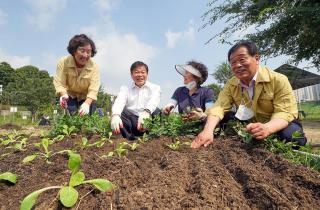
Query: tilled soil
pixel 228 174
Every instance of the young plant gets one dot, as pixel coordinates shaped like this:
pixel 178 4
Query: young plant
pixel 68 195
pixel 122 149
pixel 8 176
pixel 175 146
pixel 68 130
pixel 47 154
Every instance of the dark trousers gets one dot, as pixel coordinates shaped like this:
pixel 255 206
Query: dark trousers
pixel 284 134
pixel 130 123
pixel 74 105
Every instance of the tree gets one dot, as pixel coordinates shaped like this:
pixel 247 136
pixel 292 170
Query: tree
pixel 6 74
pixel 289 27
pixel 31 88
pixel 104 100
pixel 221 74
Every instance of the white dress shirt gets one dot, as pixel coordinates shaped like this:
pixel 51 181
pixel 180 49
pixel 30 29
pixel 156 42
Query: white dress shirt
pixel 137 99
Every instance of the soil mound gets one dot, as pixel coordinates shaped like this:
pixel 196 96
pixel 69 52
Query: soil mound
pixel 227 174
pixel 10 126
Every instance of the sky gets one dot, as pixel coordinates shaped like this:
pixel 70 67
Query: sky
pixel 159 33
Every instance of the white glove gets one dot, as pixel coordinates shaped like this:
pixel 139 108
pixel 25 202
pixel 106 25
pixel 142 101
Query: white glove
pixel 84 109
pixel 142 116
pixel 116 123
pixel 63 100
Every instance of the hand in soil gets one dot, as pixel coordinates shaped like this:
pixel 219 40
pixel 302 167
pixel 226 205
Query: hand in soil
pixel 204 138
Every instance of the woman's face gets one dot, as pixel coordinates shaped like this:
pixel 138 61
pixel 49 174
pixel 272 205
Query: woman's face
pixel 82 55
pixel 188 77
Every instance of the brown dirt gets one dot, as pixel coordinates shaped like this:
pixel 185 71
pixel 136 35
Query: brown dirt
pixel 10 126
pixel 228 174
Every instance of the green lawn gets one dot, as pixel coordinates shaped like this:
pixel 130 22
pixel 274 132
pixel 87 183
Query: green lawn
pixel 311 109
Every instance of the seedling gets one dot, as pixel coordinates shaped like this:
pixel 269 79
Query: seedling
pixel 68 195
pixel 122 149
pixel 44 144
pixel 20 145
pixel 177 145
pixel 8 176
pixel 68 130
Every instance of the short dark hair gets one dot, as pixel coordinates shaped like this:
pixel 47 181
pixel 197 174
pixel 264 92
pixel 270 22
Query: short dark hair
pixel 251 47
pixel 78 41
pixel 137 64
pixel 202 69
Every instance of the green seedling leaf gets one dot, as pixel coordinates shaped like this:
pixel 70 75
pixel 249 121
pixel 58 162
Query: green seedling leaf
pixel 29 158
pixel 101 184
pixel 31 199
pixel 74 162
pixel 134 146
pixel 297 134
pixel 8 176
pixel 68 196
pixel 77 179
pixel 110 154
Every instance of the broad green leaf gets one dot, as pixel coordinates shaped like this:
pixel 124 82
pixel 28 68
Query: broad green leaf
pixel 8 176
pixel 29 158
pixel 74 162
pixel 45 144
pixel 77 179
pixel 101 184
pixel 68 196
pixel 31 199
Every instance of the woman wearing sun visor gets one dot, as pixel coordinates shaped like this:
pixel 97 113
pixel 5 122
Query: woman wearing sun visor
pixel 192 95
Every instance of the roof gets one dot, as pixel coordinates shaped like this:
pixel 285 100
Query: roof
pixel 298 78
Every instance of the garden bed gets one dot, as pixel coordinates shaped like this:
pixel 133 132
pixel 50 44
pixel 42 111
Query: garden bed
pixel 229 173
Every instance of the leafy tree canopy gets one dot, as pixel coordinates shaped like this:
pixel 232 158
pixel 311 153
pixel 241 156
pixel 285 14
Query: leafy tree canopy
pixel 289 27
pixel 6 74
pixel 31 88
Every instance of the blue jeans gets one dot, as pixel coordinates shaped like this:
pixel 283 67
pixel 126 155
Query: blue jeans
pixel 74 105
pixel 130 122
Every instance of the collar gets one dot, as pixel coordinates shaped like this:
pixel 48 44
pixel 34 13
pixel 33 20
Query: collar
pixel 70 62
pixel 147 84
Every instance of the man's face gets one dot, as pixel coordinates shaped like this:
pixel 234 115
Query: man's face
pixel 139 75
pixel 243 65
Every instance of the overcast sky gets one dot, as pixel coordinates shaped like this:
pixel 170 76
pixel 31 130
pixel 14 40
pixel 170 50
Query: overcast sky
pixel 160 33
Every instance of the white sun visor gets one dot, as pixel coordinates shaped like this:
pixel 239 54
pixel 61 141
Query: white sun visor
pixel 181 69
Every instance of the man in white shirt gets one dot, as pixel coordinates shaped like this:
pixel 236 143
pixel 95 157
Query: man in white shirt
pixel 135 103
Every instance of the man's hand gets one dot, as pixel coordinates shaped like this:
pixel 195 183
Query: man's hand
pixel 204 138
pixel 167 109
pixel 258 130
pixel 63 100
pixel 143 115
pixel 197 114
pixel 84 109
pixel 116 124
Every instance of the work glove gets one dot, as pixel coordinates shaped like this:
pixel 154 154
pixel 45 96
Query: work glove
pixel 63 100
pixel 116 124
pixel 197 114
pixel 167 109
pixel 142 116
pixel 84 109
